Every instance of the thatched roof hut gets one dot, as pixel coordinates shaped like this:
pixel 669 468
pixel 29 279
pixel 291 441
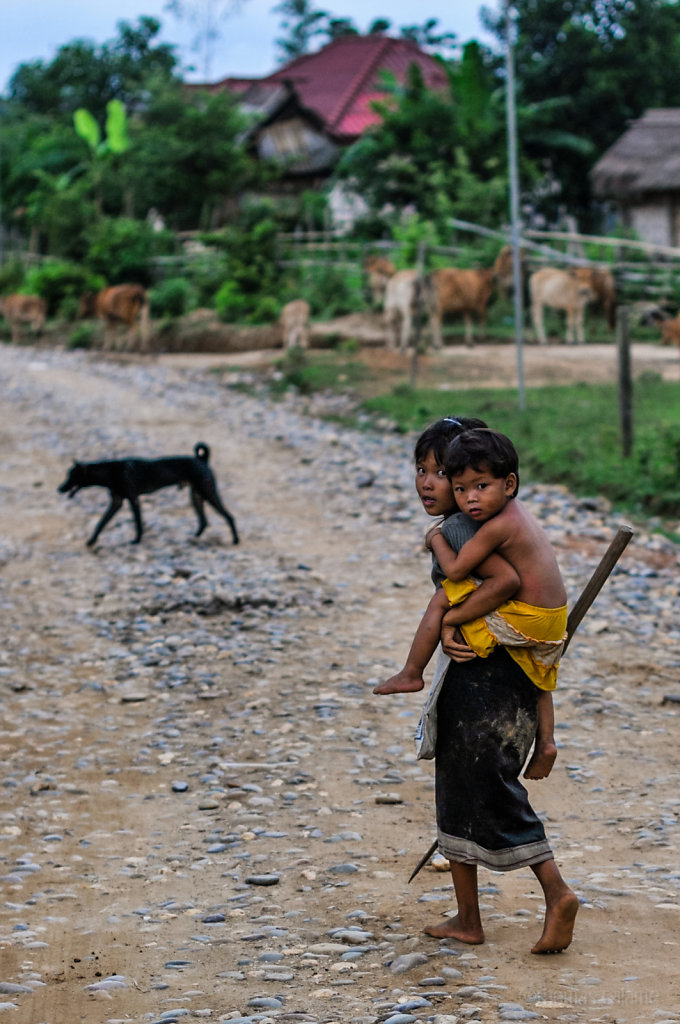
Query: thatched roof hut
pixel 641 173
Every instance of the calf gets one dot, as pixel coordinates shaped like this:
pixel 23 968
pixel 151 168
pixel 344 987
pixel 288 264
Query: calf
pixel 379 270
pixel 24 309
pixel 407 296
pixel 563 290
pixel 294 323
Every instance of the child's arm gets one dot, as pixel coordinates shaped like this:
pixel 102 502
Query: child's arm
pixel 499 583
pixel 472 554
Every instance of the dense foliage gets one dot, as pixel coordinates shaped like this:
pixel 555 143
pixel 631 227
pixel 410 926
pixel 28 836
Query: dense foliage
pixel 181 157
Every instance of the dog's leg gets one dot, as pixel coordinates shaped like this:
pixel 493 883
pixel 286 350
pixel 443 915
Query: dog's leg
pixel 137 513
pixel 197 502
pixel 212 497
pixel 116 502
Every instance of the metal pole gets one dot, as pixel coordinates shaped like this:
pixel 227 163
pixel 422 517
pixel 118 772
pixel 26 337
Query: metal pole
pixel 514 201
pixel 625 381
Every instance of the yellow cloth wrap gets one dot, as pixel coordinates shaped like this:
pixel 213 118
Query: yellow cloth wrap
pixel 534 637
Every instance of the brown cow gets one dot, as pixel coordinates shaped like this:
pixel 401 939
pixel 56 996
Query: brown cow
pixel 670 332
pixel 463 293
pixel 601 281
pixel 559 289
pixel 294 323
pixel 503 270
pixel 379 271
pixel 122 304
pixel 24 309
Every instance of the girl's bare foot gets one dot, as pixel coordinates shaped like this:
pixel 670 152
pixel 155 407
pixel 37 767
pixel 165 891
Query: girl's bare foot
pixel 401 683
pixel 558 928
pixel 542 760
pixel 451 928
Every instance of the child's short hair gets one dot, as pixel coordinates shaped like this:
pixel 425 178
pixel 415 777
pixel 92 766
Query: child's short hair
pixel 482 449
pixel 438 436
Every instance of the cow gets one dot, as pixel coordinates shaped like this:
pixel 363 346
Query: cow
pixel 601 282
pixel 407 293
pixel 461 292
pixel 503 270
pixel 24 309
pixel 294 324
pixel 122 304
pixel 600 279
pixel 378 270
pixel 670 332
pixel 564 290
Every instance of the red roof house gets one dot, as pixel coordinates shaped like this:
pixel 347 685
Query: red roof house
pixel 316 105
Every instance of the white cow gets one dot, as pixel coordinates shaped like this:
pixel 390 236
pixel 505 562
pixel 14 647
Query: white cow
pixel 563 290
pixel 294 323
pixel 403 295
pixel 379 270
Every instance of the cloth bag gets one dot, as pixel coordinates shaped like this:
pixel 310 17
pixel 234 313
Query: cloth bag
pixel 426 733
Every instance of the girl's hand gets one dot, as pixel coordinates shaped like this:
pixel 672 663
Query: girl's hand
pixel 432 532
pixel 454 645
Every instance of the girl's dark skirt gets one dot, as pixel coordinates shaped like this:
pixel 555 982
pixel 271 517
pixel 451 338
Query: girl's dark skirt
pixel 486 724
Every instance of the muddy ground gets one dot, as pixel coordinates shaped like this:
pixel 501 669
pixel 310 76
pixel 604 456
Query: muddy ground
pixel 205 813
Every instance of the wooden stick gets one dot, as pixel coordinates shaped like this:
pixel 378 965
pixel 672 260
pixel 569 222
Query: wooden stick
pixel 594 585
pixel 592 588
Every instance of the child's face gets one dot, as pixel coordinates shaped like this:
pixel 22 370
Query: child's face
pixel 433 487
pixel 481 495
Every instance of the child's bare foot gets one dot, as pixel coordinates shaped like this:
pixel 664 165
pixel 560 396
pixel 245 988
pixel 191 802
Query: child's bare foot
pixel 451 928
pixel 558 928
pixel 401 683
pixel 542 759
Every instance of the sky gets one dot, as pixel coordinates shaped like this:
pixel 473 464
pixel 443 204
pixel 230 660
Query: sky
pixel 247 45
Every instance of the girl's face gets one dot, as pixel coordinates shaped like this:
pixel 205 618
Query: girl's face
pixel 433 487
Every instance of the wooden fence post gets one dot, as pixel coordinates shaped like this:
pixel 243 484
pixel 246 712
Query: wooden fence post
pixel 625 381
pixel 417 319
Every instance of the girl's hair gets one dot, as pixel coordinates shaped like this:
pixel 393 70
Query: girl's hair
pixel 438 436
pixel 483 449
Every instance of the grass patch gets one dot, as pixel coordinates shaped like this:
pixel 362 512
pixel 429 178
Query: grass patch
pixel 570 435
pixel 320 371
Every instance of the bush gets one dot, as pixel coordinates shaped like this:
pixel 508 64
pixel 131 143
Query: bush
pixel 230 302
pixel 266 311
pixel 171 298
pixel 329 292
pixel 121 249
pixel 61 284
pixel 82 336
pixel 12 276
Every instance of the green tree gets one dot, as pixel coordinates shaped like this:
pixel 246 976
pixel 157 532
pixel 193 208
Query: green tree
pixel 429 144
pixel 188 159
pixel 85 75
pixel 585 69
pixel 302 23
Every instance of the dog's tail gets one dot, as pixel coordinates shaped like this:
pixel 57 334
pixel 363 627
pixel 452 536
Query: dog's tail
pixel 201 451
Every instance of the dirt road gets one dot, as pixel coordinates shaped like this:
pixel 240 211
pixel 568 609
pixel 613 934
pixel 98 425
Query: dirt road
pixel 205 813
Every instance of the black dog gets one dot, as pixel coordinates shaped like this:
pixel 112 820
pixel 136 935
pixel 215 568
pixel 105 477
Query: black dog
pixel 128 478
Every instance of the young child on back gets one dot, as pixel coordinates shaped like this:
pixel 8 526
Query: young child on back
pixel 483 469
pixel 497 579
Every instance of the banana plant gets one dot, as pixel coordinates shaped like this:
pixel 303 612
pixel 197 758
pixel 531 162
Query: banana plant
pixel 115 142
